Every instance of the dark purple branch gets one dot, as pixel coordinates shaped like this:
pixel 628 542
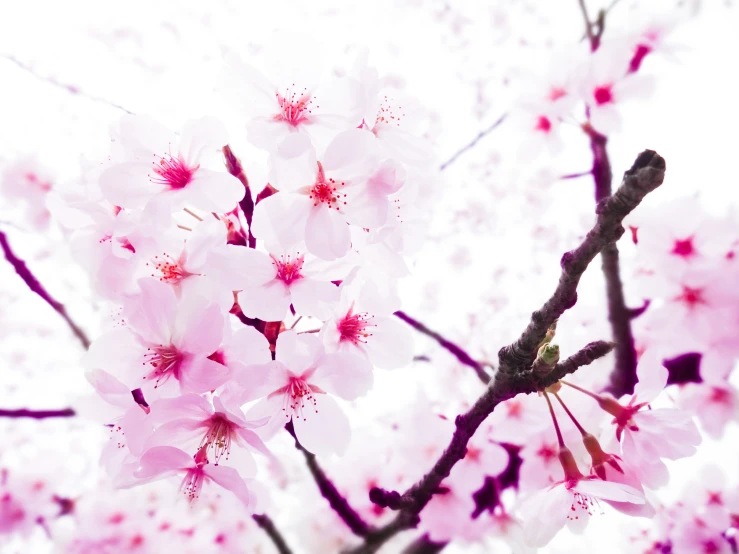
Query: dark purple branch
pixel 482 134
pixel 623 377
pixel 457 351
pixel 268 527
pixel 593 30
pixel 38 414
pixel 336 500
pixel 424 545
pixel 30 279
pixel 234 167
pixel 515 375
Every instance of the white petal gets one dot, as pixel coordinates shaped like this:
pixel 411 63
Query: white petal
pixel 214 191
pixel 324 429
pixel 391 343
pixel 314 298
pixel 327 234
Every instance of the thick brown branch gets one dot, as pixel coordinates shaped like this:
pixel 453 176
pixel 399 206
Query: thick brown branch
pixel 336 500
pixel 38 414
pixel 268 527
pixel 457 351
pixel 30 279
pixel 514 375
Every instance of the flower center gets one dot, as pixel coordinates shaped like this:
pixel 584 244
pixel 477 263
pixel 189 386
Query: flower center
pixel 603 95
pixel 288 270
pixel 165 361
pixel 543 124
pixel 294 107
pixel 684 247
pixel 172 172
pixel 324 191
pixel 218 436
pixel 353 327
pixel 387 114
pixel 692 296
pixel 296 394
pixel 170 270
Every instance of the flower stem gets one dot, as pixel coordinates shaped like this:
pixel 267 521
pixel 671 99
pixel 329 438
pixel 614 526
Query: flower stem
pixel 554 420
pixel 572 417
pixel 585 391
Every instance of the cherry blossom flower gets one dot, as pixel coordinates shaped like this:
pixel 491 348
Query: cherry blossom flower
pixel 570 501
pixel 270 283
pixel 164 461
pixel 160 167
pixel 27 181
pixel 714 404
pixel 190 421
pixel 605 86
pixel 299 386
pixel 647 435
pixel 363 323
pixel 296 102
pixel 165 345
pixel 318 201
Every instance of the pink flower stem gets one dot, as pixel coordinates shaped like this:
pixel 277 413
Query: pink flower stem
pixel 590 394
pixel 572 416
pixel 234 167
pixel 338 503
pixel 457 351
pixel 268 526
pixel 37 414
pixel 623 377
pixel 560 440
pixel 30 279
pixel 514 375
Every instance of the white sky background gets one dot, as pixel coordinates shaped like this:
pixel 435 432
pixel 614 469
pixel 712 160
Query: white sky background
pixel 486 265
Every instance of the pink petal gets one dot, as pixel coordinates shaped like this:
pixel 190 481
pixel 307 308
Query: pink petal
pixel 325 429
pixel 268 302
pixel 294 164
pixel 229 479
pixel 326 233
pixel 214 191
pixel 297 352
pixel 202 138
pixel 391 343
pixel 152 313
pixel 280 220
pixel 257 381
pixel 128 184
pixel 607 490
pixel 199 328
pixel 345 374
pixel 314 298
pixel 199 375
pixel 161 460
pixel 249 347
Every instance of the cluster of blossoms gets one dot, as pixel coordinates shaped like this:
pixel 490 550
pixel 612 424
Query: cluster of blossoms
pixel 240 310
pixel 237 313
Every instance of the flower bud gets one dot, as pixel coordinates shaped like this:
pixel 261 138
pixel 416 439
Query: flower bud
pixel 599 457
pixel 546 359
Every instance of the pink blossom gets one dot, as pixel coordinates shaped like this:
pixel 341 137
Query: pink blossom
pixel 295 102
pixel 270 283
pixel 164 461
pixel 571 501
pixel 363 323
pixel 165 345
pixel 27 181
pixel 190 422
pixel 318 202
pixel 647 435
pixel 160 167
pixel 299 386
pixel 714 404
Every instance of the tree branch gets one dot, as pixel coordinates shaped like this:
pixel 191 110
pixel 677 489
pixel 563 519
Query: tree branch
pixel 29 278
pixel 338 503
pixel 268 527
pixel 37 414
pixel 482 134
pixel 623 377
pixel 515 375
pixel 457 351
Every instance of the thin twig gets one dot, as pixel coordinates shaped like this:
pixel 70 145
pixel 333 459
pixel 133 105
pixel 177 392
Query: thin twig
pixel 482 134
pixel 457 351
pixel 37 414
pixel 30 279
pixel 268 526
pixel 234 167
pixel 72 89
pixel 336 500
pixel 514 375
